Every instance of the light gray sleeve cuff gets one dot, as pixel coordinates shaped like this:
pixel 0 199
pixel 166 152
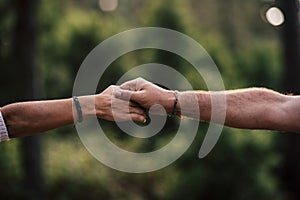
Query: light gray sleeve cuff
pixel 3 130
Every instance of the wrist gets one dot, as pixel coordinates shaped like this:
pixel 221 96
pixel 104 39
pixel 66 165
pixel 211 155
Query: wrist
pixel 171 103
pixel 87 106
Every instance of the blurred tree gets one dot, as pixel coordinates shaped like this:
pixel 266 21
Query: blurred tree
pixel 27 87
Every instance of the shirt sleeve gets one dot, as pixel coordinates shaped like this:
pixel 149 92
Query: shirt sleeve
pixel 3 130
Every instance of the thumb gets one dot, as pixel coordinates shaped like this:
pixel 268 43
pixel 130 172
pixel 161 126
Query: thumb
pixel 125 94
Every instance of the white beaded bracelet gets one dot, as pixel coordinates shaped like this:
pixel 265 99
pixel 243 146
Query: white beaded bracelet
pixel 3 130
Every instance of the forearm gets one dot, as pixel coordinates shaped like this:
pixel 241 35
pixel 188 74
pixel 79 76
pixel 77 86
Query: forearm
pixel 253 108
pixel 29 118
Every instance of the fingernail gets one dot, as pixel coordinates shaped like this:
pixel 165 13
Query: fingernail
pixel 144 121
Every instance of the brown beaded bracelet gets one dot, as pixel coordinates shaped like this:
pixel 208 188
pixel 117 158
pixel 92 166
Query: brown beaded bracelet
pixel 174 111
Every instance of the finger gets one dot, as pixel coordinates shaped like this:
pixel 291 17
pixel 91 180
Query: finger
pixel 124 94
pixel 129 85
pixel 121 106
pixel 137 110
pixel 137 118
pixel 130 117
pixel 127 107
pixel 133 104
pixel 134 85
pixel 136 105
pixel 139 82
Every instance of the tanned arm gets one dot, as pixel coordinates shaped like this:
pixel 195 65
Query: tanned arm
pixel 29 118
pixel 251 108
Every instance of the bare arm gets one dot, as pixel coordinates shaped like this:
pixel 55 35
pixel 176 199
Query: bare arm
pixel 29 118
pixel 252 108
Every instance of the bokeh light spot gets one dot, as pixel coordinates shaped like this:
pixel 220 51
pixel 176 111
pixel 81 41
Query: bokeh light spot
pixel 275 16
pixel 108 5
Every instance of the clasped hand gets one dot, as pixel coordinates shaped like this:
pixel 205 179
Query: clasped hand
pixel 139 95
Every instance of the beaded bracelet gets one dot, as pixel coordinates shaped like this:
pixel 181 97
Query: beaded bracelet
pixel 174 111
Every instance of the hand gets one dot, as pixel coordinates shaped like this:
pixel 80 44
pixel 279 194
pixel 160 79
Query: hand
pixel 146 94
pixel 106 104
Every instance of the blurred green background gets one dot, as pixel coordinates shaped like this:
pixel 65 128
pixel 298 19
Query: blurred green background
pixel 43 44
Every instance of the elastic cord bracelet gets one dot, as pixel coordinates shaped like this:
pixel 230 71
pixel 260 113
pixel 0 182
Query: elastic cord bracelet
pixel 174 111
pixel 78 108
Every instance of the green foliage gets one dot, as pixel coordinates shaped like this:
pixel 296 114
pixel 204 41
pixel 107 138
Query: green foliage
pixel 242 163
pixel 261 66
pixel 238 168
